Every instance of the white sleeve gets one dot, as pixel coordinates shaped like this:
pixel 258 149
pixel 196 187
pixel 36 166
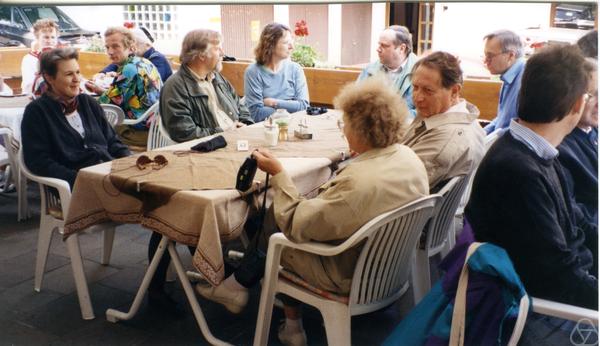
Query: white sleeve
pixel 29 69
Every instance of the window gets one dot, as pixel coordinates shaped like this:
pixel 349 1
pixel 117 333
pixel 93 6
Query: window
pixel 574 16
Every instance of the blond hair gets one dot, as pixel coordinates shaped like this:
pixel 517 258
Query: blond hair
pixel 126 35
pixel 374 111
pixel 44 24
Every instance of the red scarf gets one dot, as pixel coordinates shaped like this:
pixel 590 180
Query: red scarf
pixel 68 105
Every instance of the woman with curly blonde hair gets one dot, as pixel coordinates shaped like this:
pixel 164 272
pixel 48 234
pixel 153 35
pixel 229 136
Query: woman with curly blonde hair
pixel 382 176
pixel 274 81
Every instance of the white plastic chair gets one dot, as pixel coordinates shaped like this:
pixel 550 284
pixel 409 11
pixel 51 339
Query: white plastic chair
pixel 157 135
pixel 53 213
pixel 489 140
pixel 439 234
pixel 114 114
pixel 380 276
pixel 147 115
pixel 13 173
pixel 564 311
pixel 554 309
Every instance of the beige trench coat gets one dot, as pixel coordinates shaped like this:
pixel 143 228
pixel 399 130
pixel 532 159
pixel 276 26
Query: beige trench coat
pixel 375 182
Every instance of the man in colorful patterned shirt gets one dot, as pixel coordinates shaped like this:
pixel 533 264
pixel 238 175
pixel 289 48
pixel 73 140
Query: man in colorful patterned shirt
pixel 135 88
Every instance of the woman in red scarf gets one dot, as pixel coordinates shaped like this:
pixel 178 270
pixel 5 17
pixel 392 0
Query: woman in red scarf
pixel 64 130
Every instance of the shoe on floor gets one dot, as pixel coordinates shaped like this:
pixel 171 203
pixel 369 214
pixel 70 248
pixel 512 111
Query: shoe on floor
pixel 291 339
pixel 234 300
pixel 162 302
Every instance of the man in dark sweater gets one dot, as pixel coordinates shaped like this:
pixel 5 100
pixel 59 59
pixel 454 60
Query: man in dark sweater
pixel 579 151
pixel 520 199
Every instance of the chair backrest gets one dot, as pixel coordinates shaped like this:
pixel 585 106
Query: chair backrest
pixel 157 134
pixel 443 216
pixel 12 148
pixel 489 140
pixel 114 114
pixel 383 267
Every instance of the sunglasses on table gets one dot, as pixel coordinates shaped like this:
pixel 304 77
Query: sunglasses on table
pixel 157 163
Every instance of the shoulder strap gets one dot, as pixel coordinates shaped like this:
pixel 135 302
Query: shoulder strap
pixel 457 331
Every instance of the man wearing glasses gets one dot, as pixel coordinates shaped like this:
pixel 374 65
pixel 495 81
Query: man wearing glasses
pixel 503 55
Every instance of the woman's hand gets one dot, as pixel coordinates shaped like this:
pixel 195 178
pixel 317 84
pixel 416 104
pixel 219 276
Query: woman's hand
pixel 270 102
pixel 267 162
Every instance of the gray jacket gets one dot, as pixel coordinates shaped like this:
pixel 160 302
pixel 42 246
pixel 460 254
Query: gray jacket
pixel 184 106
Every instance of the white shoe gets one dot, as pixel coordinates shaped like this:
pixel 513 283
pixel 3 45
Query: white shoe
pixel 291 339
pixel 234 300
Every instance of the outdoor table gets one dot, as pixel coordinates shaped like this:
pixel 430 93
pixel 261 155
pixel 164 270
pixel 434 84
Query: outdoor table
pixel 201 207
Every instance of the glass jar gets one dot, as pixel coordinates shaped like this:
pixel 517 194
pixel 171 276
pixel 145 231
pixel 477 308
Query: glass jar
pixel 282 118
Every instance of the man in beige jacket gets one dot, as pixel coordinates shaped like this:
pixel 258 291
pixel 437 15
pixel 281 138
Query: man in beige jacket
pixel 445 134
pixel 383 176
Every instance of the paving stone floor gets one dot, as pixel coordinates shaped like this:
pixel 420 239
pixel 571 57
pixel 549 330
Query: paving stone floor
pixel 52 316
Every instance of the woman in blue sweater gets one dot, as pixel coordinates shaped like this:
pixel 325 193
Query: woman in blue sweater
pixel 274 81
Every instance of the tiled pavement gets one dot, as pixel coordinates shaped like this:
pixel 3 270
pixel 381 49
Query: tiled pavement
pixel 52 316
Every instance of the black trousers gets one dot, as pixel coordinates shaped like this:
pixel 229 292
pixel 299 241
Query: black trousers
pixel 157 284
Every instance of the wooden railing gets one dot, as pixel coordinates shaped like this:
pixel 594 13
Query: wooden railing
pixel 323 84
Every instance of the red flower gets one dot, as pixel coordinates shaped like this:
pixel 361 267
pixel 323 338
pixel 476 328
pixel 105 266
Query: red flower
pixel 301 28
pixel 129 25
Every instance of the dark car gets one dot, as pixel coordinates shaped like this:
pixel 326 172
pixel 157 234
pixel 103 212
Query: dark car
pixel 16 23
pixel 574 16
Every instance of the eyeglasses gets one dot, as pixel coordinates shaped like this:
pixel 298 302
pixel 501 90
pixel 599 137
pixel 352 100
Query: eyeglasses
pixel 589 96
pixel 157 163
pixel 490 56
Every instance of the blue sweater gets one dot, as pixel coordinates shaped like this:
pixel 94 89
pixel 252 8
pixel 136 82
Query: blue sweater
pixel 287 86
pixel 156 58
pixel 579 156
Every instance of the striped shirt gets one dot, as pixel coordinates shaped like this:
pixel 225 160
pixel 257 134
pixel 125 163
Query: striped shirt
pixel 538 144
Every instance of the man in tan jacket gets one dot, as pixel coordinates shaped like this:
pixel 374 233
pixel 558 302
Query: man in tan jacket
pixel 445 134
pixel 383 176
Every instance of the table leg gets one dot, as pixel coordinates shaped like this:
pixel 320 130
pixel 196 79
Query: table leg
pixel 113 315
pixel 83 294
pixel 191 296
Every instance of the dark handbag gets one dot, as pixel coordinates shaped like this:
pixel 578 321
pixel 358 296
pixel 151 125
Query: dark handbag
pixel 210 145
pixel 246 174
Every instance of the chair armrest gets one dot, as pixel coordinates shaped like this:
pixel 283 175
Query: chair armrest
pixel 153 109
pixel 311 247
pixel 564 311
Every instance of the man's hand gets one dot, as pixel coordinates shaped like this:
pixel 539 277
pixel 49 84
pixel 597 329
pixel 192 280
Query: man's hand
pixel 93 87
pixel 270 102
pixel 239 124
pixel 267 162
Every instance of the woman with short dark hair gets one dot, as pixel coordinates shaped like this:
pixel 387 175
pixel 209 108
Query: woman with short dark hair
pixel 65 130
pixel 274 81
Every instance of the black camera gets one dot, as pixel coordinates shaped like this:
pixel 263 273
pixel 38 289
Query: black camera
pixel 316 110
pixel 246 174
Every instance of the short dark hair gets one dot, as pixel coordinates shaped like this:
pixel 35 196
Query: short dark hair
pixel 402 36
pixel 553 80
pixel 49 60
pixel 268 40
pixel 588 44
pixel 446 64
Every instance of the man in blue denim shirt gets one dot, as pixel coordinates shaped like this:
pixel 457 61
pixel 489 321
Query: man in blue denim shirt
pixel 503 55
